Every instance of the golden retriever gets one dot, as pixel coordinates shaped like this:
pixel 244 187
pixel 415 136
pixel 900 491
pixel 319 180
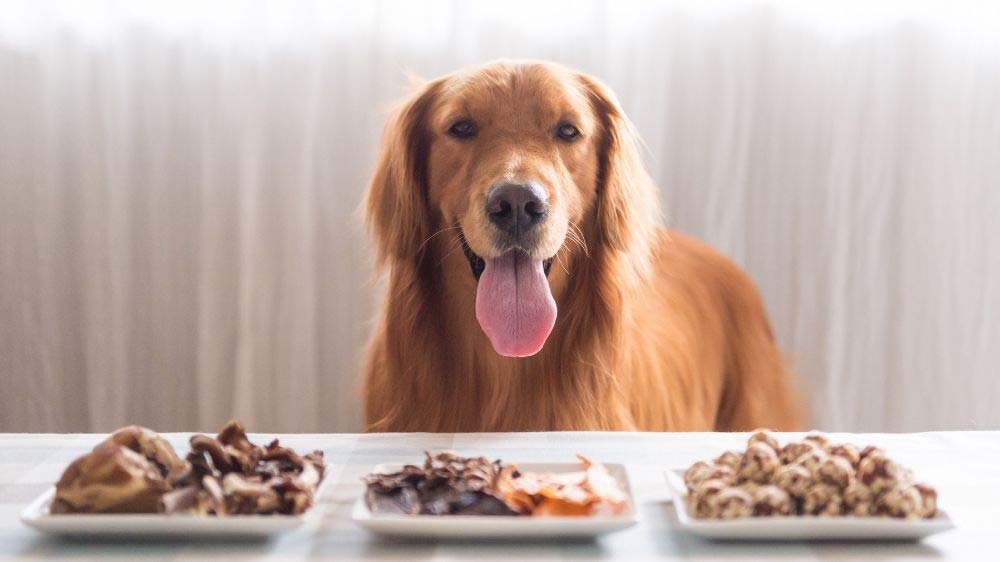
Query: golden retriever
pixel 530 286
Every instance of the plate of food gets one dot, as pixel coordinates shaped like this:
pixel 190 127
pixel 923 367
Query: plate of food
pixel 812 489
pixel 449 496
pixel 134 484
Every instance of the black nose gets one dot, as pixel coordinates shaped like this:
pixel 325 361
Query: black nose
pixel 516 207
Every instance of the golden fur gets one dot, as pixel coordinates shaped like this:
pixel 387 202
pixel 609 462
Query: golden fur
pixel 655 330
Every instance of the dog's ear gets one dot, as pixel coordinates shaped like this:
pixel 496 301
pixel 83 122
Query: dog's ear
pixel 395 205
pixel 628 211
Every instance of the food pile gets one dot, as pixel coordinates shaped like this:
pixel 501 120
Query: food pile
pixel 447 484
pixel 137 471
pixel 810 477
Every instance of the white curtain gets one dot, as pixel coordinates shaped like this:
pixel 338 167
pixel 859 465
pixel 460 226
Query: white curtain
pixel 178 187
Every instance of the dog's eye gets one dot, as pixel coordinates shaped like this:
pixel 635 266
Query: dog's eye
pixel 462 129
pixel 567 132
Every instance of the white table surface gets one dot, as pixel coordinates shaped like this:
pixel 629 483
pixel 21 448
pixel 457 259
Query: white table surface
pixel 964 466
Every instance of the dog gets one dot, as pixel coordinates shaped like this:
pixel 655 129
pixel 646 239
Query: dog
pixel 529 284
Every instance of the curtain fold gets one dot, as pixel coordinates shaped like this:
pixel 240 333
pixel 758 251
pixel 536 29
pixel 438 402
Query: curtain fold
pixel 179 241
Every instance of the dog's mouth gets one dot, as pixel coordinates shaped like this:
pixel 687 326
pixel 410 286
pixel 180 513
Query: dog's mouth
pixel 514 304
pixel 478 264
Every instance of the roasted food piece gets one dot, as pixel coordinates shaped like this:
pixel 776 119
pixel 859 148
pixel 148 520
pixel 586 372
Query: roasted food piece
pixel 136 471
pixel 759 464
pixel 859 500
pixel 446 484
pixel 731 503
pixel 248 495
pixel 822 499
pixel 794 479
pixel 795 450
pixel 180 500
pixel 836 471
pixel 901 500
pixel 700 498
pixel 732 459
pixel 110 479
pixel 772 500
pixel 812 460
pixel 204 447
pixel 149 444
pixel 592 491
pixel 814 476
pixel 817 439
pixel 881 474
pixel 845 451
pixel 928 499
pixel 870 450
pixel 240 478
pixel 766 437
pixel 403 500
pixel 697 473
pixel 701 472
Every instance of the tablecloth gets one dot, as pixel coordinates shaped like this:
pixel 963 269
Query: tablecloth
pixel 964 466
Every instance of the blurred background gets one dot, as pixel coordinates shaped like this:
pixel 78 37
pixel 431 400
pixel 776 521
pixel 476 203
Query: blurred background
pixel 179 241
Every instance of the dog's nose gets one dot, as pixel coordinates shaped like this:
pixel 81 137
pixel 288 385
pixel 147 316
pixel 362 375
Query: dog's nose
pixel 516 207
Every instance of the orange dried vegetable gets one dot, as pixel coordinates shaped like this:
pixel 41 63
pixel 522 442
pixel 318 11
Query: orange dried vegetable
pixel 592 491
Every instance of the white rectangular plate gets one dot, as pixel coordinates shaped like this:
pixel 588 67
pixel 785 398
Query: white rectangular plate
pixel 492 526
pixel 154 525
pixel 801 527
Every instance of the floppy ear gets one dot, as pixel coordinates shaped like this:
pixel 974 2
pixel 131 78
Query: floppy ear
pixel 395 205
pixel 628 210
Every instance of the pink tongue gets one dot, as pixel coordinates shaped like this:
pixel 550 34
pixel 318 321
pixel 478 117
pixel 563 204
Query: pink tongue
pixel 514 305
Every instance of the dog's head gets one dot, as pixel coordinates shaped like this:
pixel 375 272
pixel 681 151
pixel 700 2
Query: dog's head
pixel 519 161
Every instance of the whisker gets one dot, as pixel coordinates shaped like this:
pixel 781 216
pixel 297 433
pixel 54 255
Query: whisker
pixel 581 238
pixel 562 263
pixel 428 239
pixel 571 240
pixel 573 237
pixel 452 246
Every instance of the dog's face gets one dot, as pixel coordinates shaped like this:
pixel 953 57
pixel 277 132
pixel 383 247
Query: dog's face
pixel 514 158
